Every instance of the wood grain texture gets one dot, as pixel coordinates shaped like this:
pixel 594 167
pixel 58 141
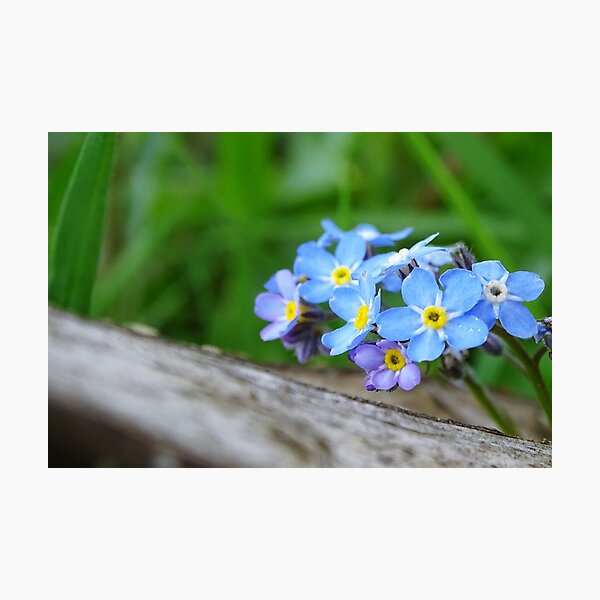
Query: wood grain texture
pixel 171 404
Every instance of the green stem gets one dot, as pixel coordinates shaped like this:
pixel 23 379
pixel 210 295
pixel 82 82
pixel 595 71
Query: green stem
pixel 532 369
pixel 539 355
pixel 503 422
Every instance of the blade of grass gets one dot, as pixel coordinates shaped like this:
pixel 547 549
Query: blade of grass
pixel 79 230
pixel 484 238
pixel 244 194
pixel 505 186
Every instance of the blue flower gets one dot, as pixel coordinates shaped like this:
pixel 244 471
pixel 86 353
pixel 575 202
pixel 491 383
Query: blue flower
pixel 432 317
pixel 281 308
pixel 503 295
pixel 435 260
pixel 384 267
pixel 359 307
pixel 369 233
pixel 326 272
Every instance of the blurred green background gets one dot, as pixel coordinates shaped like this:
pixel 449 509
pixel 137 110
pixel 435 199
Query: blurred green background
pixel 197 222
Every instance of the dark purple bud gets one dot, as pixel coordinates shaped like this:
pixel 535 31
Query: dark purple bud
pixel 493 345
pixel 462 256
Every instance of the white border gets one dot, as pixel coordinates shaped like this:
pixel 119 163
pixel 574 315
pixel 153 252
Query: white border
pixel 382 66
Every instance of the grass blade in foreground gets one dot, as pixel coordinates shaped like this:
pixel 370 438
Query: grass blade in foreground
pixel 78 235
pixel 456 197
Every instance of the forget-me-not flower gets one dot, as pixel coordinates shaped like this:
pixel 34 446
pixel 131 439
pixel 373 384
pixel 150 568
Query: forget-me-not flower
pixel 503 295
pixel 326 272
pixel 387 366
pixel 367 232
pixel 432 317
pixel 359 307
pixel 384 267
pixel 282 306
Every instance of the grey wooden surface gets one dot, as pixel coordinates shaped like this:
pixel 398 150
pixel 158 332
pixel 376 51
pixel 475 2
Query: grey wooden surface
pixel 137 400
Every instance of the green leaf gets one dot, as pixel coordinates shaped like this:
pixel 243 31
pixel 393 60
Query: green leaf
pixel 79 230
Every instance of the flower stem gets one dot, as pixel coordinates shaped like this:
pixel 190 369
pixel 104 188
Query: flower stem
pixel 531 368
pixel 503 421
pixel 539 355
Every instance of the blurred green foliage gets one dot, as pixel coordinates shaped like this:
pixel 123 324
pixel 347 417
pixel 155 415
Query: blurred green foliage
pixel 197 222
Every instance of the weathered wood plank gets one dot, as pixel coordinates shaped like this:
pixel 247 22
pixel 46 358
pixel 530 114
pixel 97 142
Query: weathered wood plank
pixel 197 406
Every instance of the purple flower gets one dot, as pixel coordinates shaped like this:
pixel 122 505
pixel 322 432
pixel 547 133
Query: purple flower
pixel 281 308
pixel 387 366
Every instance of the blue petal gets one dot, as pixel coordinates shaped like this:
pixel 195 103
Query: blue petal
pixel 271 284
pixel 425 346
pixel 466 332
pixel 376 265
pixel 420 289
pixel 316 290
pixel 345 302
pixel 424 251
pixel 485 311
pixel 400 235
pixel 423 242
pixel 324 241
pixel 314 262
pixel 490 269
pixel 437 258
pixel 517 319
pixel 462 290
pixel 286 284
pixel 398 324
pixel 269 307
pixel 369 233
pixel 331 229
pixel 306 247
pixel 527 286
pixel 366 287
pixel 381 241
pixel 376 307
pixel 276 329
pixel 351 249
pixel 343 339
pixel 392 282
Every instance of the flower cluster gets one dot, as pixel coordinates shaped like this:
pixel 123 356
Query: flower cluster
pixel 447 303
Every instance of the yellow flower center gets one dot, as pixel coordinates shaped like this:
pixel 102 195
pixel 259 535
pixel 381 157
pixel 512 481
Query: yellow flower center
pixel 394 360
pixel 341 276
pixel 291 309
pixel 362 317
pixel 434 317
pixel 302 278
